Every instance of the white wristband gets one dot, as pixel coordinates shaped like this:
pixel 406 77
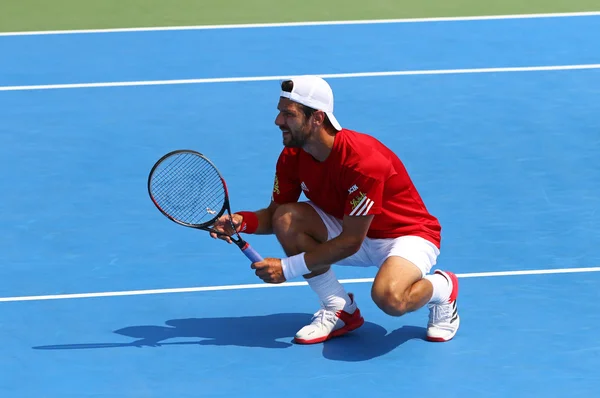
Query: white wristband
pixel 294 266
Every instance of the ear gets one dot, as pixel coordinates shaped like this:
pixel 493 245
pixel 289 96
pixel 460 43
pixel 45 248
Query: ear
pixel 319 118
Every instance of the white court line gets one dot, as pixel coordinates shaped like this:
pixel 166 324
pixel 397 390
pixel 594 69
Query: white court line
pixel 325 76
pixel 287 284
pixel 308 23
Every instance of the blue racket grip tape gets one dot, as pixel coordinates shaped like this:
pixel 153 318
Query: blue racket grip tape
pixel 251 253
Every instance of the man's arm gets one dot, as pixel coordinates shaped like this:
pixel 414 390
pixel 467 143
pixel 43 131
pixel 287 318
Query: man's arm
pixel 265 219
pixel 258 222
pixel 344 245
pixel 274 270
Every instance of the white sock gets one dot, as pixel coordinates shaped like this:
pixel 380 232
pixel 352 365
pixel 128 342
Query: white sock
pixel 332 294
pixel 441 288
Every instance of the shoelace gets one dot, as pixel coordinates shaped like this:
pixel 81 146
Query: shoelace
pixel 323 316
pixel 440 312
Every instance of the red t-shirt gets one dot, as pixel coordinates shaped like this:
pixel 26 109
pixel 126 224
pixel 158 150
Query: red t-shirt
pixel 361 176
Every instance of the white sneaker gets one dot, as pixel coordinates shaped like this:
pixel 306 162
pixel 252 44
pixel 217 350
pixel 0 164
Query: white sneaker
pixel 326 324
pixel 443 318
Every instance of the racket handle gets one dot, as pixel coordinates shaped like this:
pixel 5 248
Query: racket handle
pixel 251 253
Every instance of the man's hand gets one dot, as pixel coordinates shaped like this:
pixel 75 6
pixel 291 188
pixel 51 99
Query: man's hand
pixel 223 225
pixel 269 270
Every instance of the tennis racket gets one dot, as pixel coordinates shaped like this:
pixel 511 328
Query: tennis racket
pixel 187 188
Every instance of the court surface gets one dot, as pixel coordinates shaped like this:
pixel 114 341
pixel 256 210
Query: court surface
pixel 102 296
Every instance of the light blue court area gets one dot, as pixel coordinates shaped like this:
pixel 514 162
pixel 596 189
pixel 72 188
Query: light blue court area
pixel 508 161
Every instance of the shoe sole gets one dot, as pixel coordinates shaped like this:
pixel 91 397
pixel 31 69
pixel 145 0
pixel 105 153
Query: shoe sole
pixel 335 333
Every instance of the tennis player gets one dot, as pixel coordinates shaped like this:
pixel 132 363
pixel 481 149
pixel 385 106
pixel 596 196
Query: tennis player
pixel 363 210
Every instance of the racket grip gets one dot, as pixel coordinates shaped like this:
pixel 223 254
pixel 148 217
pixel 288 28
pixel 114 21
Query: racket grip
pixel 251 253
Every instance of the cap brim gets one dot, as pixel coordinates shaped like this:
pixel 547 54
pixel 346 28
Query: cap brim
pixel 333 120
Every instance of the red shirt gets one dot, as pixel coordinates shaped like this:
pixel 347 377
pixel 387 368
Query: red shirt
pixel 361 176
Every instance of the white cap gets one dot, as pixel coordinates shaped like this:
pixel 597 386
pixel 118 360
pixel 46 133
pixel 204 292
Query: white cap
pixel 315 93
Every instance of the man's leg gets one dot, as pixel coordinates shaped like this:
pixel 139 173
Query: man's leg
pixel 300 228
pixel 400 287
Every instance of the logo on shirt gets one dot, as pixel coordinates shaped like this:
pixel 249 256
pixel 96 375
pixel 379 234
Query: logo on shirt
pixel 352 189
pixel 357 200
pixel 303 186
pixel 276 185
pixel 361 205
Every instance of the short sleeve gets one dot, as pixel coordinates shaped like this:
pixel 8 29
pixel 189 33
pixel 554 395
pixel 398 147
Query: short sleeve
pixel 365 182
pixel 286 186
pixel 365 195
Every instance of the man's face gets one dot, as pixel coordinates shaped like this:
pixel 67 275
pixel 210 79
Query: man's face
pixel 293 123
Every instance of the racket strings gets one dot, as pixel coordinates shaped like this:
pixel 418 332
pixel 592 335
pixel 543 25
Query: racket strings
pixel 191 199
pixel 203 172
pixel 174 178
pixel 188 188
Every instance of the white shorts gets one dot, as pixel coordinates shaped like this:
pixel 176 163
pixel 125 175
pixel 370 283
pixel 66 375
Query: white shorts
pixel 374 252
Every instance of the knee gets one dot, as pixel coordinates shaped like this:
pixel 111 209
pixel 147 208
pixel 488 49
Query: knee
pixel 389 299
pixel 285 219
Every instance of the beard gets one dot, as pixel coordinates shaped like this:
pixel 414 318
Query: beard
pixel 295 138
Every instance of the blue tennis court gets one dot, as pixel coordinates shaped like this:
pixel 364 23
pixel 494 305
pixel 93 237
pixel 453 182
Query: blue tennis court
pixel 508 160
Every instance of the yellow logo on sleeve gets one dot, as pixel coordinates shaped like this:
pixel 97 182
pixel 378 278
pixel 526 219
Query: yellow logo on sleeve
pixel 355 202
pixel 276 185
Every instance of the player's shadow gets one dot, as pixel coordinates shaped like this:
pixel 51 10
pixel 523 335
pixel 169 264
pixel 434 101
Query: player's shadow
pixel 268 331
pixel 370 341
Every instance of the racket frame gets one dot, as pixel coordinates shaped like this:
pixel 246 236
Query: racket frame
pixel 240 242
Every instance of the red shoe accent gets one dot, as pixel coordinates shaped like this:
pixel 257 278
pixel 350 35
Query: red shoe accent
pixel 454 280
pixel 454 294
pixel 351 322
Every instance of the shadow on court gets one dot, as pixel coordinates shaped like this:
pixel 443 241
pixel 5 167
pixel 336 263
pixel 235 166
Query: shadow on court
pixel 370 341
pixel 269 331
